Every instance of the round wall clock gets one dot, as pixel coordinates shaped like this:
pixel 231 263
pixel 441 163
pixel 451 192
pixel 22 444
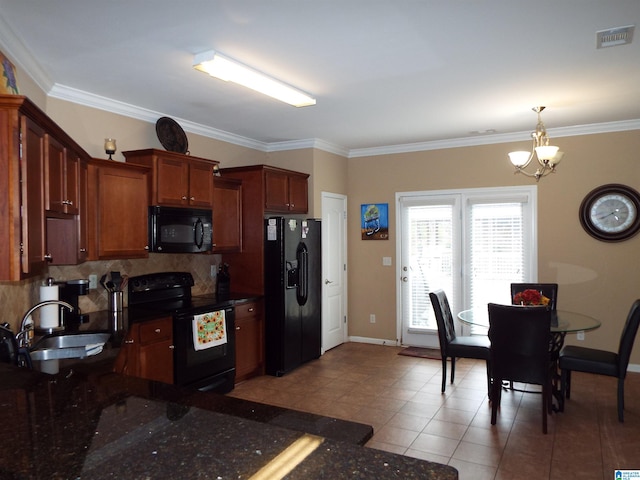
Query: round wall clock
pixel 611 213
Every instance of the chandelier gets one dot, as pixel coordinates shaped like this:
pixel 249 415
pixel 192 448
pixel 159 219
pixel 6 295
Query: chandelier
pixel 547 155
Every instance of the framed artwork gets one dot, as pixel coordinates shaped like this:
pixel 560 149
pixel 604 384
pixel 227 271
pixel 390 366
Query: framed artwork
pixel 9 84
pixel 374 221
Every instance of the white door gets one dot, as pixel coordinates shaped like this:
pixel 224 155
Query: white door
pixel 471 243
pixel 334 270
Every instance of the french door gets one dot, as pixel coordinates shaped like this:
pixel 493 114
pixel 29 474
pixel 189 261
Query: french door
pixel 470 243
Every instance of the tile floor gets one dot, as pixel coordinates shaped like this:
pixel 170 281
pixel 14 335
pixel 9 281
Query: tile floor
pixel 400 397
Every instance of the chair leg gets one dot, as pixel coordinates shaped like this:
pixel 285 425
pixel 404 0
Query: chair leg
pixel 568 383
pixel 453 368
pixel 545 399
pixel 563 389
pixel 496 392
pixel 444 373
pixel 621 400
pixel 488 379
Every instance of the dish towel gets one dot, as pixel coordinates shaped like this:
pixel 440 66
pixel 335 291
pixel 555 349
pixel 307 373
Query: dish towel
pixel 209 330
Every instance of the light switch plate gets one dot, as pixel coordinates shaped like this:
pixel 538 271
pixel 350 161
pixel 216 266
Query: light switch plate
pixel 93 282
pixel 386 261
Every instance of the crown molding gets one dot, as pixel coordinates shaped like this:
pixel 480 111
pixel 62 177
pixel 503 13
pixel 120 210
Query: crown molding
pixel 21 56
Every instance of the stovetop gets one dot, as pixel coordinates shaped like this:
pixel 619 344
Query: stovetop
pixel 169 293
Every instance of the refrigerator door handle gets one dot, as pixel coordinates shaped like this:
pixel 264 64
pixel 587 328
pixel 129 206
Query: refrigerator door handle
pixel 303 274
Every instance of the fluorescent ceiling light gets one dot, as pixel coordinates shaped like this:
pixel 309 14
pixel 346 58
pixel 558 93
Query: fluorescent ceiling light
pixel 230 70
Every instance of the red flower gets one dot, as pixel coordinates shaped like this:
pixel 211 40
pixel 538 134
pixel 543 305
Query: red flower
pixel 530 297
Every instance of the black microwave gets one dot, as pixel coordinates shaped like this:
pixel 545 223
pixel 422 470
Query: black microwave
pixel 180 230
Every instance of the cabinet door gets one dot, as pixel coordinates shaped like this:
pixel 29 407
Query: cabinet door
pixel 298 194
pixel 155 356
pixel 173 182
pixel 122 212
pixel 249 341
pixel 276 194
pixel 72 183
pixel 32 190
pixel 201 184
pixel 55 158
pixel 227 215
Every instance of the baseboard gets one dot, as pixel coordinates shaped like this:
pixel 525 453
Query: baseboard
pixel 633 368
pixel 375 341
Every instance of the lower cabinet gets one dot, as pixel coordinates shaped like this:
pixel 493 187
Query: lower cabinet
pixel 147 351
pixel 249 340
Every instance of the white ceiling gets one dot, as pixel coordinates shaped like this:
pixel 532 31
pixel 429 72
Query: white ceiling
pixel 385 73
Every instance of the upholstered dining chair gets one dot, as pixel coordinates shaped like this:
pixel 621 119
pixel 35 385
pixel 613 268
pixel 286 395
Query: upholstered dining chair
pixel 549 290
pixel 519 338
pixel 601 362
pixel 453 346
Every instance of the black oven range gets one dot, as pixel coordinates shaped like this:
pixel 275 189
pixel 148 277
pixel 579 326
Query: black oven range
pixel 203 328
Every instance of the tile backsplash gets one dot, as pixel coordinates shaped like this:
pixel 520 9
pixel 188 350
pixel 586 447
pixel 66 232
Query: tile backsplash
pixel 17 297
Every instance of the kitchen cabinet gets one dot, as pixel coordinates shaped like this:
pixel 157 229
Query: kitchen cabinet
pixel 249 340
pixel 285 191
pixel 30 142
pixel 176 180
pixel 61 182
pixel 227 215
pixel 247 266
pixel 118 210
pixel 147 351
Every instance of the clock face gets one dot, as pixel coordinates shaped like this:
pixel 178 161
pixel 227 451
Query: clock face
pixel 611 213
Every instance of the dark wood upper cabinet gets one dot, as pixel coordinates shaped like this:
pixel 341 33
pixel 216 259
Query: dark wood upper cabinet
pixel 177 180
pixel 227 215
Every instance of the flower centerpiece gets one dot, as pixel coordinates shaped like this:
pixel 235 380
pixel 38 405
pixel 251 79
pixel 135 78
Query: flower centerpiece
pixel 530 297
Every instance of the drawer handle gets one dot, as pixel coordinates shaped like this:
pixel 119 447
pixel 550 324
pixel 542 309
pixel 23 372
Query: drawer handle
pixel 128 340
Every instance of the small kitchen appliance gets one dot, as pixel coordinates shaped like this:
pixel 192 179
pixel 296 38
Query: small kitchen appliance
pixel 70 290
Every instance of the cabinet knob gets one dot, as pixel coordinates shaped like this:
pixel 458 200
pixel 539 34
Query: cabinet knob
pixel 48 257
pixel 146 247
pixel 128 340
pixel 157 330
pixel 83 250
pixel 171 347
pixel 251 309
pixel 237 328
pixel 192 199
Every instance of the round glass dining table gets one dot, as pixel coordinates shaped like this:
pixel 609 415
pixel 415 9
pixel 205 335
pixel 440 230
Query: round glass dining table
pixel 562 321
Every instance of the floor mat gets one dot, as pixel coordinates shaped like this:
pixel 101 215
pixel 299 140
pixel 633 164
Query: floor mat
pixel 421 352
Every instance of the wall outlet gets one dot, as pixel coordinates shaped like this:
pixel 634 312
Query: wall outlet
pixel 580 335
pixel 372 318
pixel 93 282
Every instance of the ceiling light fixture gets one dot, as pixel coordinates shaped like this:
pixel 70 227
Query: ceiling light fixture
pixel 548 156
pixel 229 70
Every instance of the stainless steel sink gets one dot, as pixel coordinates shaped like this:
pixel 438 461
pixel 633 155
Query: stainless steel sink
pixel 72 345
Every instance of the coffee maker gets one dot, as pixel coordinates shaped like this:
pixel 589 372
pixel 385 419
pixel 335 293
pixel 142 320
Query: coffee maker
pixel 69 292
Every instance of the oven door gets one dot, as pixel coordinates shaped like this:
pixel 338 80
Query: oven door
pixel 206 365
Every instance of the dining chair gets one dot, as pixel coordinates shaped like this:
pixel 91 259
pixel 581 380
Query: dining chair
pixel 601 362
pixel 453 346
pixel 549 290
pixel 519 338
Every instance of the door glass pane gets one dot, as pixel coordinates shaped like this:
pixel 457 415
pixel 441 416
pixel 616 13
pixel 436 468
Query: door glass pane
pixel 431 250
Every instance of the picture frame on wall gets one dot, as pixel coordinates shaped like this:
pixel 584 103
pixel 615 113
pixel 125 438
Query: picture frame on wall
pixel 374 221
pixel 9 83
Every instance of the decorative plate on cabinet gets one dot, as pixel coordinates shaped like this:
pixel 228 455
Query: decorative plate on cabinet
pixel 171 135
pixel 611 213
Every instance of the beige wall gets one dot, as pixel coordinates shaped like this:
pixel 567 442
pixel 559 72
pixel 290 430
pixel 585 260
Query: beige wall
pixel 596 278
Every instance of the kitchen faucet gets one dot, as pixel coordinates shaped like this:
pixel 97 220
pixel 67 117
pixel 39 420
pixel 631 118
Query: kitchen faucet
pixel 24 335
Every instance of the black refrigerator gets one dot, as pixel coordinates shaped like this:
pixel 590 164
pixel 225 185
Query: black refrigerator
pixel 293 293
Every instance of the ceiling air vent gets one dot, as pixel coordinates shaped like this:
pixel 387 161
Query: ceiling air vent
pixel 614 36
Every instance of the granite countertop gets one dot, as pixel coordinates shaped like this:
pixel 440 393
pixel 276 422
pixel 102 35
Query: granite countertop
pixel 88 422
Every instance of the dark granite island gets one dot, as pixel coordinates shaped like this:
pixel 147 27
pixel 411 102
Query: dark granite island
pixel 89 423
